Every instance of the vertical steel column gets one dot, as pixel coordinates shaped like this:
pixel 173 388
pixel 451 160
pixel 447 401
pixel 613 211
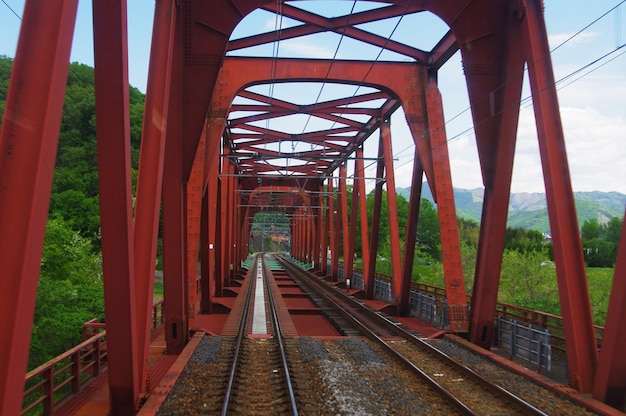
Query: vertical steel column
pixel 219 233
pixel 173 211
pixel 392 207
pixel 411 234
pixel 349 261
pixel 301 234
pixel 232 218
pixel 610 383
pixel 214 129
pixel 223 224
pixel 324 228
pixel 496 123
pixel 334 224
pixel 448 226
pixel 298 234
pixel 311 239
pixel 226 223
pixel 205 254
pixel 150 173
pixel 28 145
pixel 360 185
pixel 318 225
pixel 343 211
pixel 580 339
pixel 194 209
pixel 369 280
pixel 305 235
pixel 115 189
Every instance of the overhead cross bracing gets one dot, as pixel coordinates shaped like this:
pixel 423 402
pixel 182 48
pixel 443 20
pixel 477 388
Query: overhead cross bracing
pixel 205 99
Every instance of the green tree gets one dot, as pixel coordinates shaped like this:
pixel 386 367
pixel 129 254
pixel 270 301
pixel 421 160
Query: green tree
pixel 600 241
pixel 5 73
pixel 70 292
pixel 523 240
pixel 590 229
pixel 528 280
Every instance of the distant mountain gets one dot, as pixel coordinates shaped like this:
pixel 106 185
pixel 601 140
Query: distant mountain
pixel 529 210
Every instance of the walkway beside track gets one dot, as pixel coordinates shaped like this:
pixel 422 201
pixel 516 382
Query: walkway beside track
pixel 298 314
pixel 93 400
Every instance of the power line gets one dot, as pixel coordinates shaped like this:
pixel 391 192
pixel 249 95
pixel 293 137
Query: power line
pixel 14 12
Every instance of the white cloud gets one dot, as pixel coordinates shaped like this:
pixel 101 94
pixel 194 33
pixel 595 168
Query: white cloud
pixel 594 143
pixel 303 49
pixel 581 38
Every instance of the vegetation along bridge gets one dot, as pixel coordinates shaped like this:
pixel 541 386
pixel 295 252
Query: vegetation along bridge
pixel 228 135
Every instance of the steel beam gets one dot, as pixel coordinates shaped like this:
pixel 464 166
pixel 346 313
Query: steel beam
pixel 411 235
pixel 206 285
pixel 343 212
pixel 360 185
pixel 496 121
pixel 448 227
pixel 28 144
pixel 324 229
pixel 392 214
pixel 173 195
pixel 150 173
pixel 219 237
pixel 195 186
pixel 349 260
pixel 610 382
pixel 582 355
pixel 334 224
pixel 115 189
pixel 369 278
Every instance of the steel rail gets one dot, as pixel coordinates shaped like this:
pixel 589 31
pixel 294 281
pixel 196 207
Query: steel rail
pixel 241 333
pixel 278 334
pixel 323 289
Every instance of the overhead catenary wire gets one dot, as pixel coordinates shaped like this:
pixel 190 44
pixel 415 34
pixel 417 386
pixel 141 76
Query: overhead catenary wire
pixel 526 101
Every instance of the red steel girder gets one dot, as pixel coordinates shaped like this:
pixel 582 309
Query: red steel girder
pixel 115 189
pixel 324 229
pixel 343 25
pixel 150 172
pixel 411 235
pixel 580 338
pixel 348 261
pixel 28 142
pixel 496 122
pixel 392 211
pixel 446 211
pixel 360 185
pixel 173 208
pixel 610 382
pixel 334 225
pixel 387 76
pixel 368 278
pixel 342 208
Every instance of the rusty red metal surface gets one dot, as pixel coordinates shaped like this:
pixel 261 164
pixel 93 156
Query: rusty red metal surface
pixel 28 142
pixel 205 143
pixel 115 189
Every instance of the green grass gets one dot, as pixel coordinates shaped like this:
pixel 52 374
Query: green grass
pixel 158 292
pixel 600 281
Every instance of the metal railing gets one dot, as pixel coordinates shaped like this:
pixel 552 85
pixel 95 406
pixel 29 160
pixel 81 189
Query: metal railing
pixel 56 380
pixel 525 342
pixel 537 319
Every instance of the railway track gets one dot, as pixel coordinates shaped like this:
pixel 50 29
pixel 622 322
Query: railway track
pixel 259 380
pixel 467 391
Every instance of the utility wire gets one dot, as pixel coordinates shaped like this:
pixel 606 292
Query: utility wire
pixel 14 12
pixel 526 101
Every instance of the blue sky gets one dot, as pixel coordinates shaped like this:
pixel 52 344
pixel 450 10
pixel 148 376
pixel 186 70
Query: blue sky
pixel 593 101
